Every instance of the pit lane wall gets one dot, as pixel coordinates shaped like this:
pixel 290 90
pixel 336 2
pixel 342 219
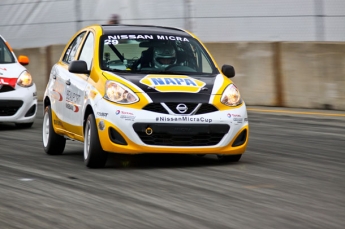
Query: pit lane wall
pixel 282 74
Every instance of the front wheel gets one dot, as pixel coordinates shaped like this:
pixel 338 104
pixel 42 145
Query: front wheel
pixel 229 158
pixel 94 155
pixel 53 143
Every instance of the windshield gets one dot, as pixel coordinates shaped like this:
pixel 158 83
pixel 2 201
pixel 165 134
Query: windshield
pixel 6 56
pixel 154 54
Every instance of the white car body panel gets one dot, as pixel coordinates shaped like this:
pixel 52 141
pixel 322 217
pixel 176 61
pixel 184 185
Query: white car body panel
pixel 26 94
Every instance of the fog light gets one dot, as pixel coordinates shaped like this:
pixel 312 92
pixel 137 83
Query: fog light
pixel 149 131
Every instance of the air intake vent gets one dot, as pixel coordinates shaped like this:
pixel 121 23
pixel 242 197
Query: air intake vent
pixel 203 109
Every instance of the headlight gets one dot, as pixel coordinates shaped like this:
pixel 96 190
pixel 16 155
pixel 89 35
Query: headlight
pixel 118 93
pixel 25 79
pixel 231 96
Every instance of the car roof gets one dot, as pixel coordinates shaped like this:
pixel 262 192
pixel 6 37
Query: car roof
pixel 143 29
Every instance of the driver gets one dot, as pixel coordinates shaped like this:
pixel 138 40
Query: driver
pixel 163 56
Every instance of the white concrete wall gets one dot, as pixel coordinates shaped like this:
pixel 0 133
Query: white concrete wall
pixel 311 74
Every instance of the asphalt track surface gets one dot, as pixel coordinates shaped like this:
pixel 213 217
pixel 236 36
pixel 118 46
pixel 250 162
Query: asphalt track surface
pixel 291 176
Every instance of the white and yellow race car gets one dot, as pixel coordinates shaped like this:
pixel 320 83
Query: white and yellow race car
pixel 135 89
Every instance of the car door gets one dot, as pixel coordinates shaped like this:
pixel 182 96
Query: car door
pixel 62 78
pixel 56 88
pixel 75 89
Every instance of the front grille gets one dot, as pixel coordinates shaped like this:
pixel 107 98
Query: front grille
pixel 203 109
pixel 155 107
pixel 10 107
pixel 181 134
pixel 190 106
pixel 181 140
pixel 206 108
pixel 6 88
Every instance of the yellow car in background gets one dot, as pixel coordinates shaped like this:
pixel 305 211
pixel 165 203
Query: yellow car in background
pixel 135 89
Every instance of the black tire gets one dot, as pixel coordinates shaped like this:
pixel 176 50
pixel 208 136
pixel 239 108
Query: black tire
pixel 24 125
pixel 229 158
pixel 94 155
pixel 53 143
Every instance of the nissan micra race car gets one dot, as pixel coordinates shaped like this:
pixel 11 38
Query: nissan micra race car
pixel 18 96
pixel 135 89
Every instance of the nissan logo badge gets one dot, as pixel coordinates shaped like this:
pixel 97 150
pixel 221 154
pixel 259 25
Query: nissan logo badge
pixel 182 108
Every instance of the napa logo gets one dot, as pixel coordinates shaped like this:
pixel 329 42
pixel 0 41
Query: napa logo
pixel 173 83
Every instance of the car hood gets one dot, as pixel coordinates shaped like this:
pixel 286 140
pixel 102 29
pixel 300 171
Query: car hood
pixel 202 84
pixel 165 88
pixel 9 73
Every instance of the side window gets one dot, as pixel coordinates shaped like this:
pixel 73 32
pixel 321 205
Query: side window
pixel 73 48
pixel 5 54
pixel 87 50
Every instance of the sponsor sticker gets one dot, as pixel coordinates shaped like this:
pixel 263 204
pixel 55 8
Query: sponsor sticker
pixel 128 116
pixel 72 97
pixel 238 120
pixel 183 119
pixel 57 122
pixel 123 112
pixel 113 39
pixel 72 107
pixel 173 83
pixel 102 114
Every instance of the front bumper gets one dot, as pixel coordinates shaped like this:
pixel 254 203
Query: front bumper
pixel 133 131
pixel 19 105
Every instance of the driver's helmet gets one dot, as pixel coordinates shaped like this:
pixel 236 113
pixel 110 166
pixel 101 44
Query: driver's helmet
pixel 163 56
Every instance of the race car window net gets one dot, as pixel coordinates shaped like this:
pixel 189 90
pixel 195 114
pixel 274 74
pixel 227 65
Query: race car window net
pixel 6 56
pixel 154 54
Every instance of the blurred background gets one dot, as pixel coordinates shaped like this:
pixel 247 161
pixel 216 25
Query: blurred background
pixel 287 53
pixel 33 23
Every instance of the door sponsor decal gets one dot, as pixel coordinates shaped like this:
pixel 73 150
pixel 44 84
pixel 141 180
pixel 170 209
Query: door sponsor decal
pixel 72 107
pixel 173 83
pixel 72 100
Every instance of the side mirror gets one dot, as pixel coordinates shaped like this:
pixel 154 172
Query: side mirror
pixel 79 67
pixel 23 60
pixel 228 70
